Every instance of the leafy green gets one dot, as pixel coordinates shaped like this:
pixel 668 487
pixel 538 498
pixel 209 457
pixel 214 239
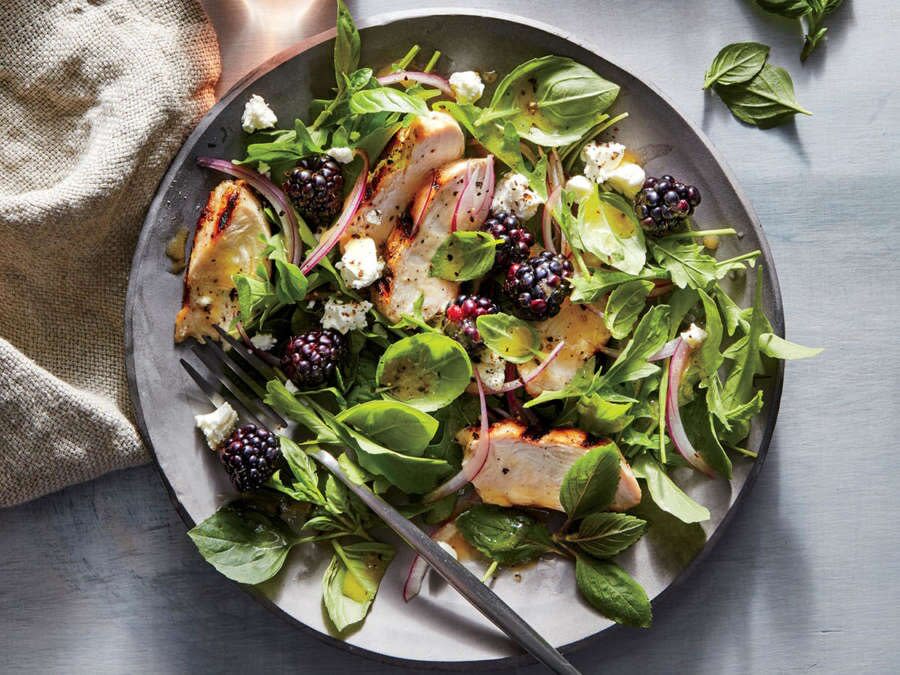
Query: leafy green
pixel 510 338
pixel 613 592
pixel 577 387
pixel 552 100
pixel 765 101
pixel 464 256
pixel 674 542
pixel 736 63
pixel 346 45
pixel 698 425
pixel 244 545
pixel 665 493
pixel 386 99
pixel 290 284
pixel 607 228
pixel 709 358
pixel 812 11
pixel 589 289
pixel 787 8
pixel 426 371
pixel 591 481
pixel 303 468
pixel 601 415
pixel 396 425
pixel 779 348
pixel 510 537
pixel 747 363
pixel 687 263
pixel 604 535
pixel 650 335
pixel 625 305
pixel 287 405
pixel 351 580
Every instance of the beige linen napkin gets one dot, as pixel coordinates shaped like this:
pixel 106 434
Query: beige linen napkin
pixel 96 96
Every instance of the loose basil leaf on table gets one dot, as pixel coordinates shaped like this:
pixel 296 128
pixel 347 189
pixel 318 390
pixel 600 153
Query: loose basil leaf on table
pixel 464 256
pixel 736 63
pixel 507 536
pixel 765 101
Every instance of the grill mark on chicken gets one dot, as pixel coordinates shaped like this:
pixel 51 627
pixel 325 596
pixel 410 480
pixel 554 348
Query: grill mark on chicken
pixel 227 210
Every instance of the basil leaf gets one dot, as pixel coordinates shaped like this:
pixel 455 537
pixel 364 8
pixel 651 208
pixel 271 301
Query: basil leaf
pixel 665 493
pixel 386 99
pixel 346 46
pixel 613 592
pixel 553 100
pixel 779 348
pixel 607 227
pixel 736 63
pixel 604 535
pixel 395 425
pixel 765 101
pixel 791 9
pixel 246 546
pixel 351 581
pixel 624 306
pixel 591 481
pixel 464 256
pixel 427 371
pixel 651 333
pixel 287 405
pixel 303 468
pixel 510 537
pixel 290 283
pixel 509 337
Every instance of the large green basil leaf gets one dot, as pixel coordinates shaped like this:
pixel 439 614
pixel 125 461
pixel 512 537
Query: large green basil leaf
pixel 510 338
pixel 386 99
pixel 765 101
pixel 392 424
pixel 736 63
pixel 464 256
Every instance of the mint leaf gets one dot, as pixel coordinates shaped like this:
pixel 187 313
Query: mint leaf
pixel 290 284
pixel 508 536
pixel 625 305
pixel 591 481
pixel 306 479
pixel 613 592
pixel 604 535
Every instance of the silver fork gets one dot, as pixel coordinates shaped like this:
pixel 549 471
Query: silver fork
pixel 230 383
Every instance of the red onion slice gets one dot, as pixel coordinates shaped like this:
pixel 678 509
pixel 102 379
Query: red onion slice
pixel 674 425
pixel 463 194
pixel 547 218
pixel 534 374
pixel 351 206
pixel 419 566
pixel 665 351
pixel 473 467
pixel 289 225
pixel 465 206
pixel 417 218
pixel 556 177
pixel 428 79
pixel 487 186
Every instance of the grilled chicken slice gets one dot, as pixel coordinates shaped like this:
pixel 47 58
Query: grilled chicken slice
pixel 584 332
pixel 227 242
pixel 409 250
pixel 526 471
pixel 429 142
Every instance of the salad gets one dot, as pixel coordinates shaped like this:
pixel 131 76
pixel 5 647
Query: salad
pixel 490 314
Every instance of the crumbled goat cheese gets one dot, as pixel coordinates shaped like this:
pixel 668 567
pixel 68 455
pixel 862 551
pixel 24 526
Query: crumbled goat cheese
pixel 257 115
pixel 345 317
pixel 217 425
pixel 580 186
pixel 342 155
pixel 467 86
pixel 263 341
pixel 604 163
pixel 373 217
pixel 360 265
pixel 513 195
pixel 694 336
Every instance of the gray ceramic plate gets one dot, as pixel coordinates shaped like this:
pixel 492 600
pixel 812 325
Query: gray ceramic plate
pixel 438 627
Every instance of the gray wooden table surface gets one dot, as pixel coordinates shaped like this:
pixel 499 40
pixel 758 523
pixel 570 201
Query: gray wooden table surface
pixel 101 577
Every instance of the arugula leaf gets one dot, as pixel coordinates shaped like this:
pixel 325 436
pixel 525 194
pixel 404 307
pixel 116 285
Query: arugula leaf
pixel 730 310
pixel 665 493
pixel 386 99
pixel 552 100
pixel 604 535
pixel 613 592
pixel 601 415
pixel 779 348
pixel 346 46
pixel 686 262
pixel 624 306
pixel 650 335
pixel 709 358
pixel 736 63
pixel 426 371
pixel 675 542
pixel 577 387
pixel 510 338
pixel 244 545
pixel 508 536
pixel 464 256
pixel 590 289
pixel 765 101
pixel 747 363
pixel 351 580
pixel 591 481
pixel 396 425
pixel 698 424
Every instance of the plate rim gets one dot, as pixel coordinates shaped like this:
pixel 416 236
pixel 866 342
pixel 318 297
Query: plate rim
pixel 384 19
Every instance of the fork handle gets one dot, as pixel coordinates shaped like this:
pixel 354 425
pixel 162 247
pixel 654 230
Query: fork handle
pixel 468 585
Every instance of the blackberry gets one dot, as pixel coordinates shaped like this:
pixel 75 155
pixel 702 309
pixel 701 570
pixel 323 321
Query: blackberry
pixel 311 358
pixel 663 204
pixel 517 241
pixel 316 186
pixel 536 288
pixel 250 456
pixel 461 316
